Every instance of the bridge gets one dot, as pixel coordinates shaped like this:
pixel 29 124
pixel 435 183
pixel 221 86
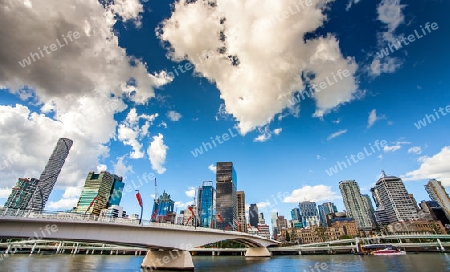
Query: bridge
pixel 168 244
pixel 437 240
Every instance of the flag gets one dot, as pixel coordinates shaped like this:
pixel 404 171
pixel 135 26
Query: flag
pixel 139 199
pixel 227 227
pixel 220 218
pixel 190 209
pixel 192 214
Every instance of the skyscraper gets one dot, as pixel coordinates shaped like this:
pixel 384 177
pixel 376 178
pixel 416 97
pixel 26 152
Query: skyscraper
pixel 21 194
pixel 116 192
pixel 368 200
pixel 226 203
pixel 96 193
pixel 295 214
pixel 356 205
pixel 273 222
pixel 438 194
pixel 51 171
pixel 308 213
pixel 205 204
pixel 253 215
pixel 324 209
pixel 162 207
pixel 240 199
pixel 392 201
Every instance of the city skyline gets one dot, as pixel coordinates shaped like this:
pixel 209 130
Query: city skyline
pixel 297 101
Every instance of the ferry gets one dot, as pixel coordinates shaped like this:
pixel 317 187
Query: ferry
pixel 383 250
pixel 388 252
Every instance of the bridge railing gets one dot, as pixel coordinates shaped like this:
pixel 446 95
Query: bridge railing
pixel 71 216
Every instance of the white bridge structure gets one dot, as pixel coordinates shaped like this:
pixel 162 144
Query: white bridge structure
pixel 168 244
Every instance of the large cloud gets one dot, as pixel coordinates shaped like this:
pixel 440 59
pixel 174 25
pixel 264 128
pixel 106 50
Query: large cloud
pixel 78 87
pixel 93 61
pixel 258 54
pixel 436 167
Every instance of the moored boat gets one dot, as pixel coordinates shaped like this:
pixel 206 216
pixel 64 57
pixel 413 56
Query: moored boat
pixel 388 252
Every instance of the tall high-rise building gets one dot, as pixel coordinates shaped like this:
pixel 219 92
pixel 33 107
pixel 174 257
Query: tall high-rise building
pixel 295 215
pixel 281 223
pixel 50 174
pixel 356 205
pixel 96 193
pixel 240 199
pixel 21 194
pixel 324 209
pixel 226 204
pixel 205 204
pixel 261 219
pixel 392 201
pixel 368 200
pixel 116 192
pixel 438 194
pixel 162 208
pixel 308 213
pixel 273 222
pixel 253 215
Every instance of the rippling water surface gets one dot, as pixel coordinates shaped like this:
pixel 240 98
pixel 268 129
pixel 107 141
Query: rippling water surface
pixel 411 262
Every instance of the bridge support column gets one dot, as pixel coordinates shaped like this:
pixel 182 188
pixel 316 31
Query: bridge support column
pixel 257 252
pixel 168 260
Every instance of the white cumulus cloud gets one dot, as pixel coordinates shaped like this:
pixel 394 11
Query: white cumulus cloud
pixel 312 193
pixel 174 116
pixel 436 167
pixel 190 192
pixel 212 167
pixel 157 152
pixel 257 81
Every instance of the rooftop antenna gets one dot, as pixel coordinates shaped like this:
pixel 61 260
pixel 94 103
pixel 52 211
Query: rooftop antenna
pixel 156 190
pixel 383 173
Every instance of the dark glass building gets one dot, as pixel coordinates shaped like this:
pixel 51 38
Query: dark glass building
pixel 253 215
pixel 226 204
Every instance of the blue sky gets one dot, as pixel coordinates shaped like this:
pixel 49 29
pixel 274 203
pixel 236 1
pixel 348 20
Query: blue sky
pixel 119 93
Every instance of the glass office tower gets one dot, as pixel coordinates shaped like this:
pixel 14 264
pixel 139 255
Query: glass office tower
pixel 205 204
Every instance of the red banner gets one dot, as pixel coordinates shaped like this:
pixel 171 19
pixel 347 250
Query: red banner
pixel 139 199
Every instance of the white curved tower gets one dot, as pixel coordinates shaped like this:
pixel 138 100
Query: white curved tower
pixel 50 174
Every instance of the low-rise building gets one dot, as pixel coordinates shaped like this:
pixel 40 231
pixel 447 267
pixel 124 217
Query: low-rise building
pixel 420 226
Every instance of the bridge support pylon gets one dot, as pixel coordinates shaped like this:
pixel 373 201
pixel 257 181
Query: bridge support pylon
pixel 257 252
pixel 167 260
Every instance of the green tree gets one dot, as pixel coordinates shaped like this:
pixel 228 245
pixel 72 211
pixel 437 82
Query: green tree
pixel 288 237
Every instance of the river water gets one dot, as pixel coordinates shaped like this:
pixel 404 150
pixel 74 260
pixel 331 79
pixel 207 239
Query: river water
pixel 426 262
